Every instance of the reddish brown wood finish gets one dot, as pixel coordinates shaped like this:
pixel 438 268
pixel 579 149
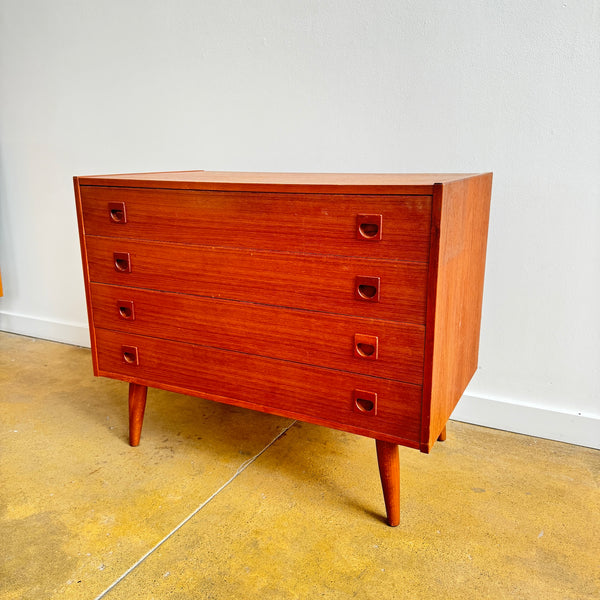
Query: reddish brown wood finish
pixel 442 436
pixel 350 301
pixel 455 292
pixel 296 335
pixel 303 281
pixel 275 385
pixel 389 472
pixel 310 183
pixel 317 223
pixel 137 406
pixel 86 273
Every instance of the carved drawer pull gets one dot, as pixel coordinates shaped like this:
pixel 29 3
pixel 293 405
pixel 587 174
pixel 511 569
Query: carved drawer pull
pixel 368 227
pixel 130 355
pixel 364 402
pixel 126 310
pixel 117 212
pixel 122 262
pixel 366 346
pixel 367 288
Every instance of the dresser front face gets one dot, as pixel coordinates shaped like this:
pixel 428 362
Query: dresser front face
pixel 308 305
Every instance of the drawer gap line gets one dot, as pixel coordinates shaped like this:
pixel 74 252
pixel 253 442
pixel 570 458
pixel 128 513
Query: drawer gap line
pixel 283 306
pixel 424 192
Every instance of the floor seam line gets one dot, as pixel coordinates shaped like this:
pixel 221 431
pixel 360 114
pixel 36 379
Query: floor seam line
pixel 238 472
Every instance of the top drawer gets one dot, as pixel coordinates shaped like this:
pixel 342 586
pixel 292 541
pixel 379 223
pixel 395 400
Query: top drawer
pixel 385 227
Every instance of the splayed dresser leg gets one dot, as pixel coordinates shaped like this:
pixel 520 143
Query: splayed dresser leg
pixel 389 471
pixel 137 405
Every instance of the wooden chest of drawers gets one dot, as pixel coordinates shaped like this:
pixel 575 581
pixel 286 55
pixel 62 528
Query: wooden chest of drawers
pixel 350 301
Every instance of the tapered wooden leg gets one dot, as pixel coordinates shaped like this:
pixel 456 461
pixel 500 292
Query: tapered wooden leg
pixel 442 436
pixel 137 405
pixel 389 471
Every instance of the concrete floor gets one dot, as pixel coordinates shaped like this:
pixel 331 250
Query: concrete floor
pixel 487 514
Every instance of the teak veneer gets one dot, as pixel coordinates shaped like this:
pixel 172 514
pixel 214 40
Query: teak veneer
pixel 351 301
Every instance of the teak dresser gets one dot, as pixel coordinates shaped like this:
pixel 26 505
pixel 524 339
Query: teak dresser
pixel 350 301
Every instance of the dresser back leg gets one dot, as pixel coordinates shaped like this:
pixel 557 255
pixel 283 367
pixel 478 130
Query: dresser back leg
pixel 137 404
pixel 389 471
pixel 442 436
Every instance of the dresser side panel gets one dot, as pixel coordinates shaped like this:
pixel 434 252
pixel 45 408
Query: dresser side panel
pixel 86 273
pixel 460 218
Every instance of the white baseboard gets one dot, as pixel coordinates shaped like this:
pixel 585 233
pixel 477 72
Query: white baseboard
pixel 56 331
pixel 519 418
pixel 535 421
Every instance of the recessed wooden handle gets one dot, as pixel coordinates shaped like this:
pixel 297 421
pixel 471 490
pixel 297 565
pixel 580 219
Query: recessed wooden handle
pixel 367 288
pixel 367 291
pixel 117 213
pixel 366 346
pixel 364 402
pixel 126 310
pixel 130 355
pixel 122 262
pixel 368 227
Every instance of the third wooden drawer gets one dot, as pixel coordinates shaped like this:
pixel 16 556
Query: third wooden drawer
pixel 370 346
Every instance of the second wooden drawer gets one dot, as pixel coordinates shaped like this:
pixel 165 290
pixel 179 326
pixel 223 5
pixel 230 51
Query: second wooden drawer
pixel 380 289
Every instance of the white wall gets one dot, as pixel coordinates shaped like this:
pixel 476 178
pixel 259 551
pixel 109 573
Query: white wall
pixel 327 85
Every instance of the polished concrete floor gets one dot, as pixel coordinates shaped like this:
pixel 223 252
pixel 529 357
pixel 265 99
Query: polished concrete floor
pixel 223 503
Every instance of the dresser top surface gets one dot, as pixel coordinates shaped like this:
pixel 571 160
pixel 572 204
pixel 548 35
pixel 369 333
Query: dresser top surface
pixel 415 183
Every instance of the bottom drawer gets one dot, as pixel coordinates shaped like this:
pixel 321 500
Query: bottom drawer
pixel 358 403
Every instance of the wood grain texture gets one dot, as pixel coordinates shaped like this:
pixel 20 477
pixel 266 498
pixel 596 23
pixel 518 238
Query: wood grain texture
pixel 259 290
pixel 334 183
pixel 455 292
pixel 296 335
pixel 86 273
pixel 315 223
pixel 281 279
pixel 322 396
pixel 388 459
pixel 137 406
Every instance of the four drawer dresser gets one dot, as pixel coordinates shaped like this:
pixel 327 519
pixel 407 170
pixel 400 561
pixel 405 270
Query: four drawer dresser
pixel 349 301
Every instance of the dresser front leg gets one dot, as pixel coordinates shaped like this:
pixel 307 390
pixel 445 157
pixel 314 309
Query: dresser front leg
pixel 137 404
pixel 389 471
